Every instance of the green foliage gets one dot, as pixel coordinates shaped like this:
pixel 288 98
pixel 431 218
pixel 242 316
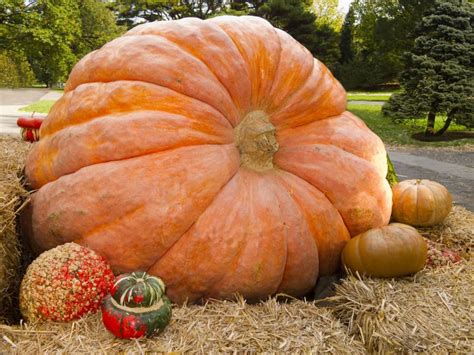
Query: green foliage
pixel 295 17
pixel 347 33
pixel 54 34
pixel 98 27
pixel 327 13
pixel 439 77
pixel 15 71
pixel 133 12
pixel 374 40
pixel 391 177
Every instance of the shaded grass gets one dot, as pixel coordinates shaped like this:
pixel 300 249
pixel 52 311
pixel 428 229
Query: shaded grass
pixel 42 106
pixel 400 133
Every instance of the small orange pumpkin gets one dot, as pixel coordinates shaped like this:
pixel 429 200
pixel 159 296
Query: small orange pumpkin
pixel 420 203
pixel 391 251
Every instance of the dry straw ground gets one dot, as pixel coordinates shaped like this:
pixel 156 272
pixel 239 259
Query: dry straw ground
pixel 12 196
pixel 429 312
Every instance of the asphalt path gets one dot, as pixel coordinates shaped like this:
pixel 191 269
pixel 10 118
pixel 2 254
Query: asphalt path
pixel 11 100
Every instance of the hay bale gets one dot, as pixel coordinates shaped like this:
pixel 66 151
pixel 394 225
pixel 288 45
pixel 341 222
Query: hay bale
pixel 12 196
pixel 456 232
pixel 429 312
pixel 218 326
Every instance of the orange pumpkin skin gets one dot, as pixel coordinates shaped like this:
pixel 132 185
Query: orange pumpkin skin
pixel 391 251
pixel 421 203
pixel 216 155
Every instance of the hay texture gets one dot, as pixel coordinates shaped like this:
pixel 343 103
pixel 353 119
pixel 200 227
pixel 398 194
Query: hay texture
pixel 456 232
pixel 12 197
pixel 430 312
pixel 216 327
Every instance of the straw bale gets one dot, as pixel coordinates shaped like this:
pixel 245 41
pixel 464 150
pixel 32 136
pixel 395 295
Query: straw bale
pixel 12 195
pixel 216 327
pixel 429 312
pixel 456 232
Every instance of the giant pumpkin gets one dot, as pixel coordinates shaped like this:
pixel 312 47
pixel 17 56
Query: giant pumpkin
pixel 217 155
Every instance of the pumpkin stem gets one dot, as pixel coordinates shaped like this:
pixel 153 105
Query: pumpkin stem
pixel 255 139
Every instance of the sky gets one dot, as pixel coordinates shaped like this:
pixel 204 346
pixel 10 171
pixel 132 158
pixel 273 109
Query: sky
pixel 344 5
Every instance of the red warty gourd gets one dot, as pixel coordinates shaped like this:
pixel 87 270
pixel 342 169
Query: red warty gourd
pixel 215 154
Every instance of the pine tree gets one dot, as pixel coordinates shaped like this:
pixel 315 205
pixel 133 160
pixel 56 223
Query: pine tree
pixel 439 77
pixel 345 45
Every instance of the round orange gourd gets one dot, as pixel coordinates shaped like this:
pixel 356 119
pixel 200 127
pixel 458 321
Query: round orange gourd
pixel 391 251
pixel 216 155
pixel 421 203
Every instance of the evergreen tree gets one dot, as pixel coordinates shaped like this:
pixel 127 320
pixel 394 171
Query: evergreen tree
pixel 345 45
pixel 439 77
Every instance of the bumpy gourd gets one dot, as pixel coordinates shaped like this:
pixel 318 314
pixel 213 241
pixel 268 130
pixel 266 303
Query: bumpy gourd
pixel 217 155
pixel 137 306
pixel 64 284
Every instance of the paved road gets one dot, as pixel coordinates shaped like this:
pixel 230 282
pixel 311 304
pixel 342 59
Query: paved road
pixel 453 169
pixel 11 100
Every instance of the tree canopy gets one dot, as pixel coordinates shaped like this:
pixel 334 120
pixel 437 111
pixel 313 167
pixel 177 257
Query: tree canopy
pixel 53 34
pixel 439 74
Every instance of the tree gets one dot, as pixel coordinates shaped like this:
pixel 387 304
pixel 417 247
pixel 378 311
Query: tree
pixel 98 26
pixel 346 45
pixel 54 34
pixel 327 13
pixel 381 31
pixel 133 12
pixel 296 18
pixel 439 77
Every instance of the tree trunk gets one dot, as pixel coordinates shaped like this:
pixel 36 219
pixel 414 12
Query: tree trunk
pixel 447 123
pixel 430 124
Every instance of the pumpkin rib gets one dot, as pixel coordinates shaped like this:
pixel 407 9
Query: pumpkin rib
pixel 281 102
pixel 39 185
pixel 331 101
pixel 326 248
pixel 98 144
pixel 246 185
pixel 44 127
pixel 230 266
pixel 287 99
pixel 372 207
pixel 187 31
pixel 72 207
pixel 289 274
pixel 211 92
pixel 250 21
pixel 360 141
pixel 192 225
pixel 435 195
pixel 400 197
pixel 210 70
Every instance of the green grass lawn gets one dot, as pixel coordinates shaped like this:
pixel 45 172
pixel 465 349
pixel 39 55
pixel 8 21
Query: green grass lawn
pixel 368 97
pixel 399 134
pixel 42 106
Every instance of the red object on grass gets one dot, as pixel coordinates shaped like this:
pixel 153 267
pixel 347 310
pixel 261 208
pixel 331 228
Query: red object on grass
pixel 30 127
